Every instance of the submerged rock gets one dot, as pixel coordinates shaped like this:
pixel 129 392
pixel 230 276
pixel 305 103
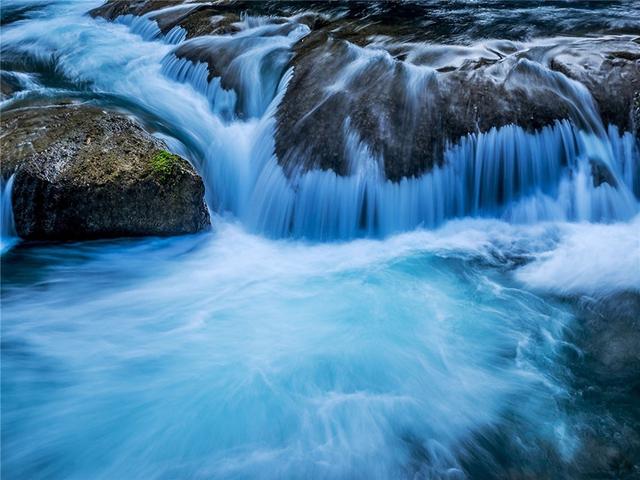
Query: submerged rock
pixel 609 335
pixel 81 173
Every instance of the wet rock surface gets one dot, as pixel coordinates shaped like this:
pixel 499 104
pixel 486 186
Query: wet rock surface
pixel 385 78
pixel 81 173
pixel 452 22
pixel 406 103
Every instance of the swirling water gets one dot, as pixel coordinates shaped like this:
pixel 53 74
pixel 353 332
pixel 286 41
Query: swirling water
pixel 258 351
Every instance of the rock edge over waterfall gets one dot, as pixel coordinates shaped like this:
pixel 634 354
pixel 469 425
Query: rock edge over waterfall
pixel 82 173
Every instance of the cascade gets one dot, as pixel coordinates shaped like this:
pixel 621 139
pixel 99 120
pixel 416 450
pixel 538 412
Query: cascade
pixel 8 236
pixel 506 172
pixel 480 321
pixel 222 95
pixel 148 29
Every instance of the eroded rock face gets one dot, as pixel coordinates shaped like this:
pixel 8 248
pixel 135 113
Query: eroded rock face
pixel 84 173
pixel 407 102
pixel 402 80
pixel 113 8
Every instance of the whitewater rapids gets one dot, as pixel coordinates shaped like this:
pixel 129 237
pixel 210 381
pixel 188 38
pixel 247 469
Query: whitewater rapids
pixel 228 355
pixel 328 326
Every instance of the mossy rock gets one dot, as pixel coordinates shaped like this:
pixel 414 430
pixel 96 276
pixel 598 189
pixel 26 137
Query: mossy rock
pixel 165 164
pixel 81 172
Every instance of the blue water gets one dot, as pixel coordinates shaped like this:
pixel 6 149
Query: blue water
pixel 8 237
pixel 229 134
pixel 229 355
pixel 327 327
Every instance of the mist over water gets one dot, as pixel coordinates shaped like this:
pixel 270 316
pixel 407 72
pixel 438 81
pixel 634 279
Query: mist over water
pixel 328 326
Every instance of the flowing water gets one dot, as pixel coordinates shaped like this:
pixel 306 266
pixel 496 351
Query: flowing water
pixel 328 326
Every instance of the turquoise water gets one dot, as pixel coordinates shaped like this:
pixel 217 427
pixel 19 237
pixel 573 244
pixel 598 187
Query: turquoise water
pixel 282 344
pixel 228 355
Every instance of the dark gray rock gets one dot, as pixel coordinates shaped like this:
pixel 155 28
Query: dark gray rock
pixel 389 76
pixel 114 8
pixel 454 22
pixel 84 173
pixel 197 20
pixel 407 102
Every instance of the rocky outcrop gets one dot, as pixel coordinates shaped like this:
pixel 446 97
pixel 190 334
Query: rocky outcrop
pixel 83 173
pixel 197 20
pixel 388 77
pixel 409 20
pixel 406 102
pixel 114 8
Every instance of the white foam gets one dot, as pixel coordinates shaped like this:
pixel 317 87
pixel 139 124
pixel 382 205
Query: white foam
pixel 589 259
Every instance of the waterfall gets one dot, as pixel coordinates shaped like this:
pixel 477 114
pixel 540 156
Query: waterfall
pixel 495 337
pixel 505 173
pixel 572 170
pixel 8 236
pixel 250 67
pixel 148 28
pixel 219 95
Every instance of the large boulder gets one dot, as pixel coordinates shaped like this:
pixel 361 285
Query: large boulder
pixel 407 102
pixel 82 173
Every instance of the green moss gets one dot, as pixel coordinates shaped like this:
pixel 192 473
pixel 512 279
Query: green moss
pixel 164 164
